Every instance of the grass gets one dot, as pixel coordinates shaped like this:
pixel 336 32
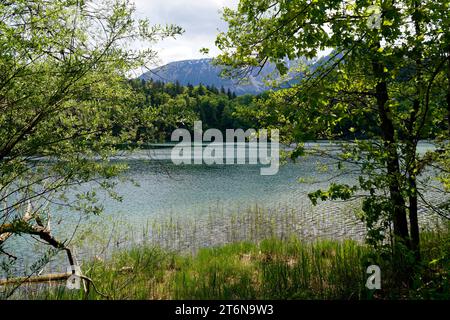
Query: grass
pixel 269 269
pixel 186 233
pixel 273 269
pixel 256 254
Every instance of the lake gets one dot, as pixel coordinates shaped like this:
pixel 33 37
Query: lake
pixel 185 207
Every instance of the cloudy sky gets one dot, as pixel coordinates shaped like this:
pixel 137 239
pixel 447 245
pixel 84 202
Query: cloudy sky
pixel 201 20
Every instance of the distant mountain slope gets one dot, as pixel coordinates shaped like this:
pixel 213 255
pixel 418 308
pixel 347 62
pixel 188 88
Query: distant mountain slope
pixel 203 71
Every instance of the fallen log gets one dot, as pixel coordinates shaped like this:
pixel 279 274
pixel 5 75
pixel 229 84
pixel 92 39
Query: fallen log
pixel 52 277
pixel 49 278
pixel 36 279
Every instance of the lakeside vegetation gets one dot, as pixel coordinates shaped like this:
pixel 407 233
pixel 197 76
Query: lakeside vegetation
pixel 268 269
pixel 262 255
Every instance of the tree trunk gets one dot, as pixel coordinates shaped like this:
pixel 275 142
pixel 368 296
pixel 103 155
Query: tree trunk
pixel 411 161
pixel 448 89
pixel 413 220
pixel 413 135
pixel 392 163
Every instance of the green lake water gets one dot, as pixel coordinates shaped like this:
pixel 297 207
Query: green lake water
pixel 185 207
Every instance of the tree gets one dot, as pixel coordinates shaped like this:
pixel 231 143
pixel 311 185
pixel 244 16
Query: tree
pixel 229 94
pixel 65 104
pixel 390 72
pixel 201 90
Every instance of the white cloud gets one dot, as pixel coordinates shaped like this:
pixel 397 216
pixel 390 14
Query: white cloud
pixel 201 20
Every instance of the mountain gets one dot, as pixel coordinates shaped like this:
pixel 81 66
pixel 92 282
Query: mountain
pixel 203 71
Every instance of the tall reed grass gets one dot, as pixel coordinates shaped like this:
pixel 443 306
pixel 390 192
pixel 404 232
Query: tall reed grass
pixel 257 253
pixel 273 268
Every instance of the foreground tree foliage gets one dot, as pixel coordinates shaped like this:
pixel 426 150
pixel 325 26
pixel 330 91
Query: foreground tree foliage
pixel 63 95
pixel 389 68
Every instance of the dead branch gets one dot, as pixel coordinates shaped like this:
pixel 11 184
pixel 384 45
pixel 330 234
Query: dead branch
pixel 36 279
pixel 49 278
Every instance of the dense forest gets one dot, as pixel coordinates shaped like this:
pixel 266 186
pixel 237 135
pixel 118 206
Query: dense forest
pixel 175 106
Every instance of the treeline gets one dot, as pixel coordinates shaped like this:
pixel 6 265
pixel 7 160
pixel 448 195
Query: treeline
pixel 171 106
